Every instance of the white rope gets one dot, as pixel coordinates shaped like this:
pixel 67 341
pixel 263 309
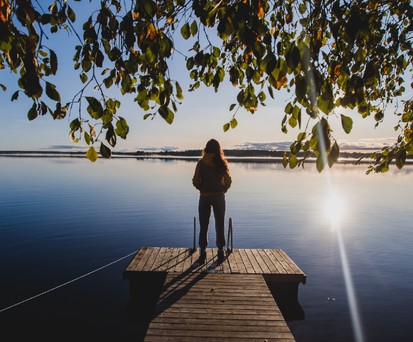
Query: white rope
pixel 67 283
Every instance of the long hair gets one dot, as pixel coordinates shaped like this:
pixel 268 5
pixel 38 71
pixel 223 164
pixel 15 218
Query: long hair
pixel 214 147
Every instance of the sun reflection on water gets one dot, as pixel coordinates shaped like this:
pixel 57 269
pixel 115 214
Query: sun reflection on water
pixel 335 210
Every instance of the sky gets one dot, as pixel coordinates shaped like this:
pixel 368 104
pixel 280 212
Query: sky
pixel 200 117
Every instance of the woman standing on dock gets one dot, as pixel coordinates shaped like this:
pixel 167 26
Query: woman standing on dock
pixel 212 179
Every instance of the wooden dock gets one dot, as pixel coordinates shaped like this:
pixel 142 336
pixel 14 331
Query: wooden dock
pixel 232 300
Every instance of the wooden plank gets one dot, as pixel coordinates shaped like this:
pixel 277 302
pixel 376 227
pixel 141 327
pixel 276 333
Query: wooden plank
pixel 167 259
pixel 253 261
pixel 187 260
pixel 248 266
pixel 135 261
pixel 295 269
pixel 208 326
pixel 214 306
pixel 180 260
pixel 232 262
pixel 275 266
pixel 259 257
pixel 286 268
pixel 229 320
pixel 173 260
pixel 152 259
pixel 211 339
pixel 146 254
pixel 208 339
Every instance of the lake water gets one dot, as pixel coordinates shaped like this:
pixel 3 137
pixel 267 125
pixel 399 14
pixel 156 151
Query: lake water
pixel 61 218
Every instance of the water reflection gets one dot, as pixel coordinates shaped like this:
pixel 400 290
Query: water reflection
pixel 59 219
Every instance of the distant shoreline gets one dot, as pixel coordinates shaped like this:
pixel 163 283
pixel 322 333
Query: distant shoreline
pixel 253 156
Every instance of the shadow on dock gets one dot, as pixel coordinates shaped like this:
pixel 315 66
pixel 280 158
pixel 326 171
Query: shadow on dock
pixel 171 294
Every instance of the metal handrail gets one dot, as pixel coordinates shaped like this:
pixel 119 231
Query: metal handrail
pixel 194 245
pixel 230 237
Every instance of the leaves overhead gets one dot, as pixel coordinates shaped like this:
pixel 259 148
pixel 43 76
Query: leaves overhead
pixel 337 59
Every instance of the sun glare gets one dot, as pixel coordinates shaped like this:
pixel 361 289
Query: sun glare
pixel 334 209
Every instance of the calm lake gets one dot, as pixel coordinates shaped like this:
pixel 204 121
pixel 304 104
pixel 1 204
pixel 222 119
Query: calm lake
pixel 61 218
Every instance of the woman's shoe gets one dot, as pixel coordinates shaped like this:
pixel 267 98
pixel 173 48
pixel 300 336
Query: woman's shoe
pixel 221 255
pixel 202 257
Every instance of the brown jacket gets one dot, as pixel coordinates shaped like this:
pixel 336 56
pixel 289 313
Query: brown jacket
pixel 208 180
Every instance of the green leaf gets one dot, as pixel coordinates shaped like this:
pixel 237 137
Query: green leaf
pixel 53 62
pixel 301 136
pixel 300 87
pixel 122 128
pixel 293 161
pixel 401 159
pixel 105 151
pixel 167 114
pixel 234 123
pixel 111 136
pixel 83 77
pixel 379 116
pixel 91 154
pixel 326 102
pixel 94 108
pixel 71 14
pixel 75 124
pixel 88 138
pixel 185 31
pixel 320 163
pixel 15 96
pixel 292 121
pixel 226 126
pixel 51 92
pixel 334 154
pixel 179 94
pixel 232 106
pixel 32 113
pixel 194 28
pixel 347 123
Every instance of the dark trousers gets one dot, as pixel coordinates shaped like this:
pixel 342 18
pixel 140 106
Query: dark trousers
pixel 217 202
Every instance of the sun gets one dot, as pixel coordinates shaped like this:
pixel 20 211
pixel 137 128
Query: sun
pixel 334 209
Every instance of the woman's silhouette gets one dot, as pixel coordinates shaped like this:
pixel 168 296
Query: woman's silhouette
pixel 212 179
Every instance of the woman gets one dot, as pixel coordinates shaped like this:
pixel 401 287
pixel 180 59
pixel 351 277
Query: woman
pixel 212 179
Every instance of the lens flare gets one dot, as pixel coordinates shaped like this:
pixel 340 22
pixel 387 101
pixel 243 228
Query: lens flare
pixel 334 209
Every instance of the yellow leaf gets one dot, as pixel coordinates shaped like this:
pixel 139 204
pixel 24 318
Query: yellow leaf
pixel 281 82
pixel 151 33
pixel 261 12
pixel 337 69
pixel 4 10
pixel 91 154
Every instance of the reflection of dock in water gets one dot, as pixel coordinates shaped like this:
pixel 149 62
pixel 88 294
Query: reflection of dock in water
pixel 179 300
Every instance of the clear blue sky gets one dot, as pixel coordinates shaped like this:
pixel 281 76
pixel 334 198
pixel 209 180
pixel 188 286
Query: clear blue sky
pixel 200 117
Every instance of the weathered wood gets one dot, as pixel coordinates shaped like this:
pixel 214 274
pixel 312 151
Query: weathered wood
pixel 205 306
pixel 213 301
pixel 272 262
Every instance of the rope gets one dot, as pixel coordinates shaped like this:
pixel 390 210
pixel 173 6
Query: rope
pixel 67 283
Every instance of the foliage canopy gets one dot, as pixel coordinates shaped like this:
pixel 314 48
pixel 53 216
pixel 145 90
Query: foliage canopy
pixel 331 54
